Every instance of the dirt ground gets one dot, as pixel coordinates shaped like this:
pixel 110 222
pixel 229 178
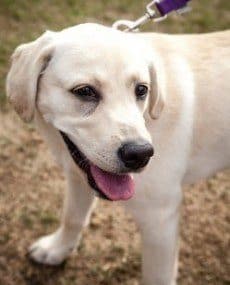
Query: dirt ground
pixel 31 195
pixel 32 186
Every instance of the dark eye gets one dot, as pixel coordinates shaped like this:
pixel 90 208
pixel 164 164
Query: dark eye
pixel 86 93
pixel 141 91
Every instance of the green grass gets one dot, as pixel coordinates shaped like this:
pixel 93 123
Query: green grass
pixel 48 218
pixel 24 20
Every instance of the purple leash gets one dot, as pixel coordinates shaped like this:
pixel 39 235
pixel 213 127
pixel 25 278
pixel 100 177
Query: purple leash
pixel 167 6
pixel 163 7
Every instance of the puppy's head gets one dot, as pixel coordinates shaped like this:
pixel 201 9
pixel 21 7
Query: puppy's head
pixel 93 84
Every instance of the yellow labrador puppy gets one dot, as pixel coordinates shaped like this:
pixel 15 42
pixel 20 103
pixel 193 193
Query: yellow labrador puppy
pixel 104 100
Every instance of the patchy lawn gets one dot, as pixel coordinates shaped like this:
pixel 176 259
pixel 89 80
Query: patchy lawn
pixel 31 196
pixel 24 20
pixel 31 186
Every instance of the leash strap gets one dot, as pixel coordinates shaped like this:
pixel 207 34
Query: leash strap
pixel 167 6
pixel 163 7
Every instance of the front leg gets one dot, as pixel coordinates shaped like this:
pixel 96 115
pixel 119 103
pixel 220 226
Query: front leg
pixel 160 241
pixel 160 251
pixel 158 219
pixel 55 248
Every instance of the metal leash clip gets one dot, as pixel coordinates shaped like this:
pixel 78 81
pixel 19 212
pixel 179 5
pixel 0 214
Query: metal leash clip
pixel 151 14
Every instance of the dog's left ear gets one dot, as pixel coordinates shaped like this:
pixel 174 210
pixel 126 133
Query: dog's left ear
pixel 156 99
pixel 28 62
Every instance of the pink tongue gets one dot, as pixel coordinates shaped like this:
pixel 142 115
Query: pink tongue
pixel 113 186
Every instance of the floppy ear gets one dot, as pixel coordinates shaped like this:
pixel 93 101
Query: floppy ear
pixel 156 100
pixel 28 62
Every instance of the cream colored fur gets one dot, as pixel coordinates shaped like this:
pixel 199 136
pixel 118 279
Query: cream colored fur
pixel 186 117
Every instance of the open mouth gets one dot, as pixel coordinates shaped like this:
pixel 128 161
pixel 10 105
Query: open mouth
pixel 109 186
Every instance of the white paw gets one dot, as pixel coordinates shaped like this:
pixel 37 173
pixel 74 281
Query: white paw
pixel 50 250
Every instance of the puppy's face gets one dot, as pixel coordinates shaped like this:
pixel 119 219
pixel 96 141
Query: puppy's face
pixel 94 88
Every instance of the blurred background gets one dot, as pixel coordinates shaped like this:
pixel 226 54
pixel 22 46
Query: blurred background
pixel 31 186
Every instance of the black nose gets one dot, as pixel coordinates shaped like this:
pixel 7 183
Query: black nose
pixel 135 156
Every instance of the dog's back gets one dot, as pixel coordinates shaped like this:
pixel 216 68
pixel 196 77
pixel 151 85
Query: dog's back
pixel 209 58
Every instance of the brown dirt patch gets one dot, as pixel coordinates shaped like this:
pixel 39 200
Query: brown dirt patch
pixel 31 194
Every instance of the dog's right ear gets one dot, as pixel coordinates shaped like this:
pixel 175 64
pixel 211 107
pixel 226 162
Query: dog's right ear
pixel 28 62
